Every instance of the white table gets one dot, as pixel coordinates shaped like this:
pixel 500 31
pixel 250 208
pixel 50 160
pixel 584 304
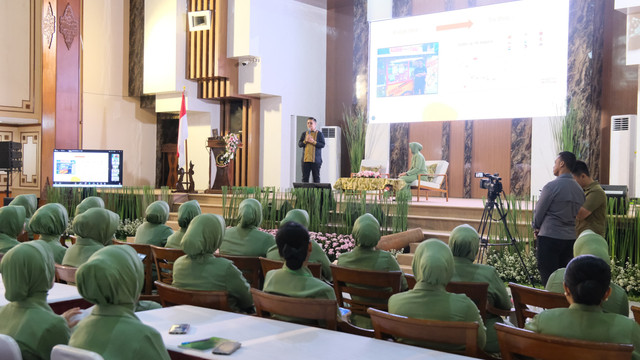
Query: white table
pixel 271 339
pixel 61 297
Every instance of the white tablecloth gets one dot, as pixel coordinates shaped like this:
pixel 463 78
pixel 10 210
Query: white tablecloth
pixel 59 293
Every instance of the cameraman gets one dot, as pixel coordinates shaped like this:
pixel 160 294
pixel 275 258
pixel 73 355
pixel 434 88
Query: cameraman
pixel 554 219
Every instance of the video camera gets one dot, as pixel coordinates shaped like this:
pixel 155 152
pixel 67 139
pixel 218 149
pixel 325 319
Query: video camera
pixel 491 183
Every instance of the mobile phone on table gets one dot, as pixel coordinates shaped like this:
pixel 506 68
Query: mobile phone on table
pixel 216 344
pixel 179 329
pixel 226 347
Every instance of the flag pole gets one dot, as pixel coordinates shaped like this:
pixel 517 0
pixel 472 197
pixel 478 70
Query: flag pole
pixel 186 151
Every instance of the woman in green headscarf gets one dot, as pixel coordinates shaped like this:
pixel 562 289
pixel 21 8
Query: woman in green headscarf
pixel 154 231
pixel 433 269
pixel 317 254
pixel 418 165
pixel 89 203
pixel 112 279
pixel 50 221
pixel 11 225
pixel 28 273
pixel 590 243
pixel 186 212
pixel 200 270
pixel 465 243
pixel 245 239
pixel 94 229
pixel 30 203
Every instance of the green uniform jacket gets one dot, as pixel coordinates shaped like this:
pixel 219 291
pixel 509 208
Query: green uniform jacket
pixel 27 272
pixel 30 203
pixel 589 323
pixel 186 212
pixel 112 279
pixel 50 221
pixel 94 228
pixel 590 243
pixel 433 269
pixel 11 224
pixel 465 243
pixel 596 202
pixel 200 270
pixel 418 165
pixel 246 242
pixel 154 231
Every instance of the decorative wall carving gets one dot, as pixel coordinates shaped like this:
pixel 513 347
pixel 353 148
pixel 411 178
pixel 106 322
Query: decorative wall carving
pixel 48 26
pixel 29 176
pixel 68 26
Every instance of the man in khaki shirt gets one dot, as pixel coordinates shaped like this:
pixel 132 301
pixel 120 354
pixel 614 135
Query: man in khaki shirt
pixel 593 213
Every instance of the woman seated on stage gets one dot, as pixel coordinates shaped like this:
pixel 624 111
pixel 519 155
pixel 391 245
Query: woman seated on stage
pixel 587 281
pixel 464 243
pixel 28 273
pixel 590 243
pixel 11 225
pixel 433 269
pixel 50 222
pixel 186 212
pixel 154 231
pixel 317 254
pixel 30 203
pixel 245 239
pixel 89 203
pixel 112 279
pixel 418 165
pixel 365 256
pixel 200 270
pixel 94 230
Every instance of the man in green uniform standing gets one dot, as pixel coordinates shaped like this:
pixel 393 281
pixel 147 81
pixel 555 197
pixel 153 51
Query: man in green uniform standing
pixel 593 213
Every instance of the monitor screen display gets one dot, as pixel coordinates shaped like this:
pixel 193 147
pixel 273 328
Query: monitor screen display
pixel 87 168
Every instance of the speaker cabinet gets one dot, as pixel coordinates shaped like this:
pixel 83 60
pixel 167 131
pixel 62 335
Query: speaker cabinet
pixel 10 155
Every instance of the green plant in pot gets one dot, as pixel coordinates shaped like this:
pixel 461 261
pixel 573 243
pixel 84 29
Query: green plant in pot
pixel 354 121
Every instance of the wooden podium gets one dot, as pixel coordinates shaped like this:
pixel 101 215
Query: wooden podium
pixel 224 174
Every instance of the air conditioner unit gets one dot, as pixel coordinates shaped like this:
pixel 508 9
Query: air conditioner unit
pixel 623 151
pixel 330 170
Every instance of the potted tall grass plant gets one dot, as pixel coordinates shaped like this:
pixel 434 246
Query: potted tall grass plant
pixel 354 121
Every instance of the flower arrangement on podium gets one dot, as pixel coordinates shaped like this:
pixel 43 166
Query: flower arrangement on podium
pixel 232 140
pixel 368 174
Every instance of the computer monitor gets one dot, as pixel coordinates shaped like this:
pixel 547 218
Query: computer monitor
pixel 300 185
pixel 87 168
pixel 621 194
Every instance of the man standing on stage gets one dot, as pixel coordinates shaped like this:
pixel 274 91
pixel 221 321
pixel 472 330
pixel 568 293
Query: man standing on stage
pixel 554 219
pixel 312 142
pixel 593 213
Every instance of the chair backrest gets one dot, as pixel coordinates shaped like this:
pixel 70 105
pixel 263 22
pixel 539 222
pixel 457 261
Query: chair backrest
pixel 147 262
pixel 634 309
pixel 250 267
pixel 164 259
pixel 65 352
pixel 269 264
pixel 476 291
pixel 365 288
pixel 411 280
pixel 441 168
pixel 66 274
pixel 171 295
pixel 514 341
pixel 9 348
pixel 387 325
pixel 524 296
pixel 323 310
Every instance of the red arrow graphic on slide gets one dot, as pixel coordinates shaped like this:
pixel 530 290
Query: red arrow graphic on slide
pixel 462 25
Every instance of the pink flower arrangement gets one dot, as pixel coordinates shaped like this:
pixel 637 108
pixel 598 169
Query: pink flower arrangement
pixel 232 141
pixel 333 244
pixel 368 174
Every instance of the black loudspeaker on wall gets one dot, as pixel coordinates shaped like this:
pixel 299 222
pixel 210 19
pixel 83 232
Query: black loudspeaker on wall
pixel 10 155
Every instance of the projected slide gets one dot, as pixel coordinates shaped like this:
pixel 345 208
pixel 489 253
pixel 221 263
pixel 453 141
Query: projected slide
pixel 81 167
pixel 490 62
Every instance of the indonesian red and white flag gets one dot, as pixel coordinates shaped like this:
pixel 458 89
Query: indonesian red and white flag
pixel 183 134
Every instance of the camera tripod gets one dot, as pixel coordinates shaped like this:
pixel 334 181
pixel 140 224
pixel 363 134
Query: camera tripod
pixel 484 230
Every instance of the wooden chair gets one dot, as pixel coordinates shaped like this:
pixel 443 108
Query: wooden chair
pixel 433 182
pixel 634 309
pixel 164 259
pixel 147 262
pixel 411 280
pixel 524 296
pixel 325 311
pixel 514 341
pixel 268 265
pixel 63 240
pixel 476 291
pixel 66 274
pixel 387 325
pixel 364 289
pixel 23 237
pixel 250 267
pixel 171 295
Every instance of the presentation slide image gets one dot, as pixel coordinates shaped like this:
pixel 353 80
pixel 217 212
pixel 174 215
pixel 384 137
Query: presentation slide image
pixel 86 167
pixel 404 70
pixel 65 167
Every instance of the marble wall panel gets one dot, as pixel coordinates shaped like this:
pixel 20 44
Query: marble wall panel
pixel 136 46
pixel 520 157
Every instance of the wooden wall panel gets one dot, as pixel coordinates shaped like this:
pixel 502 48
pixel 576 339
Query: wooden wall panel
pixel 429 134
pixel 48 135
pixel 491 152
pixel 456 159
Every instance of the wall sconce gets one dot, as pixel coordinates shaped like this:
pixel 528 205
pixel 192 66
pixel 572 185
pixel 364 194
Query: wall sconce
pixel 199 20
